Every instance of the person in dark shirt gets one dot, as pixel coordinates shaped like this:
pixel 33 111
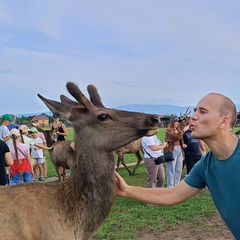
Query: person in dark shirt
pixel 59 131
pixel 194 150
pixel 5 161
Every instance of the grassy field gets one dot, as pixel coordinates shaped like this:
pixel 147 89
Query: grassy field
pixel 129 219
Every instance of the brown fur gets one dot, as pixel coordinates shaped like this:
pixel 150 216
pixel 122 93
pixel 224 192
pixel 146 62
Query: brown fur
pixel 75 208
pixel 61 154
pixel 132 148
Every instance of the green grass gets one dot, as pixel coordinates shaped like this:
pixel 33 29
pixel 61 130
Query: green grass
pixel 128 218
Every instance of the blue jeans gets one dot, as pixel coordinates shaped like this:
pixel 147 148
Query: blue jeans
pixel 26 177
pixel 174 168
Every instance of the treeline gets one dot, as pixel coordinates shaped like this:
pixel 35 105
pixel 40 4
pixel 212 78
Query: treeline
pixel 26 120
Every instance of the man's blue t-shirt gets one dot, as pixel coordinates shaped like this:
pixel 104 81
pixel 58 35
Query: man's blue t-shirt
pixel 222 177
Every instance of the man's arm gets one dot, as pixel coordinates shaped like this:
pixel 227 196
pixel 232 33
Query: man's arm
pixel 157 196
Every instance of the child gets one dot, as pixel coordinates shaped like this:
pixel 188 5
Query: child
pixel 37 153
pixel 21 168
pixel 30 142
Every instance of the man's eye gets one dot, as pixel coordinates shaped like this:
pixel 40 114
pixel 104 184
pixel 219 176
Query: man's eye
pixel 203 111
pixel 103 117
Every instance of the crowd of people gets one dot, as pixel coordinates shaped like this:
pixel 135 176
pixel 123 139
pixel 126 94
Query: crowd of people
pixel 22 153
pixel 186 151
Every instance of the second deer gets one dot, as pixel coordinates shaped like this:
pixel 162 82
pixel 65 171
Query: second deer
pixel 61 154
pixel 134 147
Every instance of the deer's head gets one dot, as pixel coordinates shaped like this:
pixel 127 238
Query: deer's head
pixel 97 126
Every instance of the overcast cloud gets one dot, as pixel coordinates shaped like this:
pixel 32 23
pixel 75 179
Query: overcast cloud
pixel 133 51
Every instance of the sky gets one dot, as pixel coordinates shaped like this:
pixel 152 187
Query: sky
pixel 134 51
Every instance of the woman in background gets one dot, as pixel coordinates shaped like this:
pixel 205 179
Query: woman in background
pixel 59 131
pixel 174 138
pixel 152 147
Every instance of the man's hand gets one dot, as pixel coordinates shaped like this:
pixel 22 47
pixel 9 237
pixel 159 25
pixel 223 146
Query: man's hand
pixel 121 185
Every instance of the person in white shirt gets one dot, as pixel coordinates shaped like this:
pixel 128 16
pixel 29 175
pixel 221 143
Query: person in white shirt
pixel 37 153
pixel 152 147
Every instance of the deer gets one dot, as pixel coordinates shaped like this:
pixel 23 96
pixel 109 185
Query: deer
pixel 76 207
pixel 61 153
pixel 133 147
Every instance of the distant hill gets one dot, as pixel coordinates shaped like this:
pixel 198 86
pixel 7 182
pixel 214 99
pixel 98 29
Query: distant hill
pixel 145 108
pixel 157 109
pixel 160 108
pixel 33 114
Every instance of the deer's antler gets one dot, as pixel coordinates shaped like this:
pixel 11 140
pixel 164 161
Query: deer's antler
pixel 184 117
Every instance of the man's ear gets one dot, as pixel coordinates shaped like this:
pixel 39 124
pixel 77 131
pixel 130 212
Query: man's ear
pixel 224 122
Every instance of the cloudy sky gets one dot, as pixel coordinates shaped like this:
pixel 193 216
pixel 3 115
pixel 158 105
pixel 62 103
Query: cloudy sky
pixel 134 51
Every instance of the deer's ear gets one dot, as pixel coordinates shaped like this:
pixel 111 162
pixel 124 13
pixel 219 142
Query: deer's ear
pixel 68 101
pixel 66 111
pixel 57 108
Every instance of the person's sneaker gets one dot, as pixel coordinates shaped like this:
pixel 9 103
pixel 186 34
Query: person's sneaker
pixel 41 178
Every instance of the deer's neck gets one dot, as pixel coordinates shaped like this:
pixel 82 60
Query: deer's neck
pixel 88 194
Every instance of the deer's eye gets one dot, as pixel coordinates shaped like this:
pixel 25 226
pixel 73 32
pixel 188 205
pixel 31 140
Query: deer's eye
pixel 103 117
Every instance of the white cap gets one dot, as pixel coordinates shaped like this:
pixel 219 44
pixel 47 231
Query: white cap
pixel 15 132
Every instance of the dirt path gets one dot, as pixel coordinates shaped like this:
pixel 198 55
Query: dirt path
pixel 208 228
